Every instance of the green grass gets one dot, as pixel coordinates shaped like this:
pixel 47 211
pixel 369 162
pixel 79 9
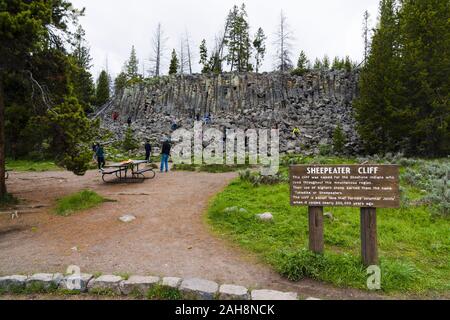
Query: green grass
pixel 211 168
pixel 160 292
pixel 413 243
pixel 82 200
pixel 29 165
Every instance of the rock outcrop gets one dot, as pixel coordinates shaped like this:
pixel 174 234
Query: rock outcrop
pixel 314 103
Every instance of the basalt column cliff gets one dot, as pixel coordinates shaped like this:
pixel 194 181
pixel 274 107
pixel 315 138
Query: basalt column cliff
pixel 314 103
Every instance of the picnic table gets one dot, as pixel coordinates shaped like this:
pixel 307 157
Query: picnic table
pixel 127 171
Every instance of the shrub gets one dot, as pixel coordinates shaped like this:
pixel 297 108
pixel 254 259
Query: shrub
pixel 129 143
pixel 339 140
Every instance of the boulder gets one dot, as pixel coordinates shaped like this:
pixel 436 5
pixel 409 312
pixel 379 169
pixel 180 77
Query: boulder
pixel 233 292
pixel 138 284
pixel 273 295
pixel 199 289
pixel 12 283
pixel 105 284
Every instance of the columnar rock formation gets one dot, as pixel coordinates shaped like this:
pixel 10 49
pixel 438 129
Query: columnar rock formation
pixel 314 103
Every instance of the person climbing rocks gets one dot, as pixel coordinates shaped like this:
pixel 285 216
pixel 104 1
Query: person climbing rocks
pixel 100 154
pixel 148 150
pixel 165 154
pixel 296 132
pixel 129 121
pixel 115 116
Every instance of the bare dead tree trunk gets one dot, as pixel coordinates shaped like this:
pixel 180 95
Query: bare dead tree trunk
pixel 3 190
pixel 283 42
pixel 189 56
pixel 158 49
pixel 366 35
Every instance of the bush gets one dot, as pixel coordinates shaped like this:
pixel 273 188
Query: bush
pixel 129 143
pixel 339 140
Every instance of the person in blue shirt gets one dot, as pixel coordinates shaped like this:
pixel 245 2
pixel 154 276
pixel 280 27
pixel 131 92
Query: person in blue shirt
pixel 100 154
pixel 165 154
pixel 148 150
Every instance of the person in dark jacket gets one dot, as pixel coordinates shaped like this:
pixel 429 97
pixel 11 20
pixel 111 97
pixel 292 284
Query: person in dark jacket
pixel 148 150
pixel 129 121
pixel 100 154
pixel 165 154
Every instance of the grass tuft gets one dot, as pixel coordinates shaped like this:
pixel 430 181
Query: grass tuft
pixel 82 200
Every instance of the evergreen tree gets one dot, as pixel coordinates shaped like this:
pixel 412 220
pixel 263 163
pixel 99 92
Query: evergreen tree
pixel 379 87
pixel 302 64
pixel 120 83
pixel 83 85
pixel 132 65
pixel 34 38
pixel 317 64
pixel 347 64
pixel 259 43
pixel 339 140
pixel 102 90
pixel 338 64
pixel 238 39
pixel 424 75
pixel 326 62
pixel 173 68
pixel 204 57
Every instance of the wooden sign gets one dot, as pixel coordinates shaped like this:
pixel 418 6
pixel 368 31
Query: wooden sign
pixel 367 186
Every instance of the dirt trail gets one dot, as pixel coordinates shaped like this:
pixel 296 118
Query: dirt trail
pixel 168 238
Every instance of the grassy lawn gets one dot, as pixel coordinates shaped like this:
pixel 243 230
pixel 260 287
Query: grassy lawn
pixel 82 200
pixel 414 242
pixel 29 165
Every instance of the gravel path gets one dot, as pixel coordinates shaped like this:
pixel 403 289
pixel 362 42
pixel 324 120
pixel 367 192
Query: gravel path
pixel 168 238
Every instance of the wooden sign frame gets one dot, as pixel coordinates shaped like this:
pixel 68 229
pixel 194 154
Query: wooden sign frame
pixel 368 214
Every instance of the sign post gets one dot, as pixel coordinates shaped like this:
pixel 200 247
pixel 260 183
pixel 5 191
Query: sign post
pixel 315 217
pixel 365 186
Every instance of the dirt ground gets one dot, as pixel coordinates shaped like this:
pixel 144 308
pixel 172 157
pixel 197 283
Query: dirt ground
pixel 168 238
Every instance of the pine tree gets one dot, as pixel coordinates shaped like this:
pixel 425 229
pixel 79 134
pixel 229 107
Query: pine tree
pixel 326 62
pixel 132 65
pixel 424 54
pixel 120 83
pixel 102 90
pixel 379 87
pixel 174 64
pixel 348 64
pixel 339 140
pixel 317 64
pixel 338 64
pixel 238 39
pixel 204 57
pixel 83 84
pixel 302 64
pixel 259 43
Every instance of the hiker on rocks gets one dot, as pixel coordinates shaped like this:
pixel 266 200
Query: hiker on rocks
pixel 129 121
pixel 165 154
pixel 115 116
pixel 100 154
pixel 174 125
pixel 148 150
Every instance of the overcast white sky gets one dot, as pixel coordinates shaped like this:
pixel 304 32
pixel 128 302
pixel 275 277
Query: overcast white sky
pixel 332 27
